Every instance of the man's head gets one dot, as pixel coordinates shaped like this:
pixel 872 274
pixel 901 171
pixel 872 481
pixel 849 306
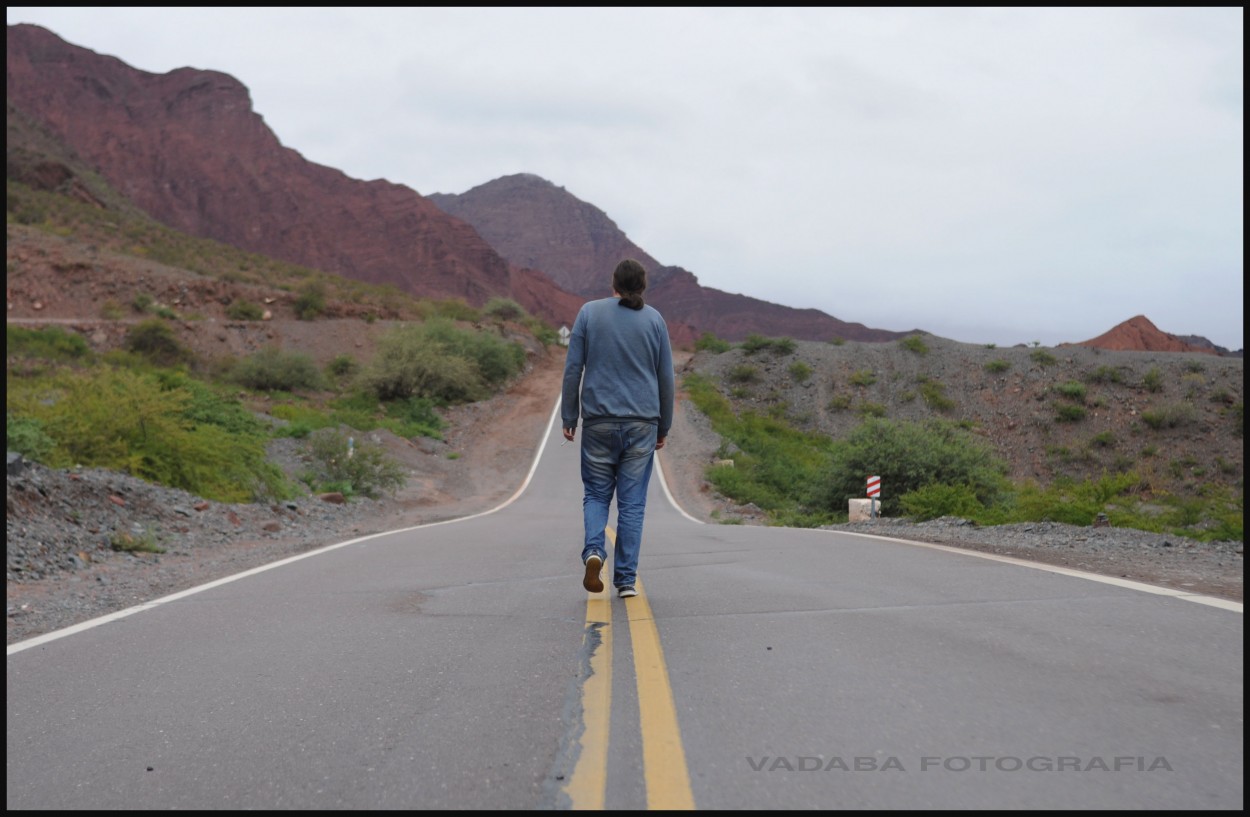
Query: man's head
pixel 629 280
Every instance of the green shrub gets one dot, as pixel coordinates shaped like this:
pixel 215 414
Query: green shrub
pixel 1072 390
pixel 914 343
pixel 936 500
pixel 742 373
pixel 452 309
pixel 503 309
pixel 862 377
pixel 800 371
pixel 155 342
pixel 133 422
pixel 436 360
pixel 142 302
pixel 1105 374
pixel 871 410
pixel 49 343
pixel 708 342
pixel 1043 358
pixel 135 543
pixel 272 369
pixel 840 402
pixel 311 302
pixel 997 366
pixel 909 456
pixel 1069 413
pixel 26 436
pixel 1169 416
pixel 934 394
pixel 244 311
pixel 342 366
pixel 758 343
pixel 1153 380
pixel 1103 439
pixel 339 461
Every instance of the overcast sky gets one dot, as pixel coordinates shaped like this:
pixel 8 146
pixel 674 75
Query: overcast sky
pixel 991 175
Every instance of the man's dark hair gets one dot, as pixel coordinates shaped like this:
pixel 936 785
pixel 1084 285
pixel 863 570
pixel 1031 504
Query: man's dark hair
pixel 629 279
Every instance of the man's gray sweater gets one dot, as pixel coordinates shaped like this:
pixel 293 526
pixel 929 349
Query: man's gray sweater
pixel 619 367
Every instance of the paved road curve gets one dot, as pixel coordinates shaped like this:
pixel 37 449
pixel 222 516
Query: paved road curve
pixel 461 666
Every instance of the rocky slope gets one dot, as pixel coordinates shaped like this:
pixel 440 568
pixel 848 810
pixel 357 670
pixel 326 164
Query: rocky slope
pixel 187 148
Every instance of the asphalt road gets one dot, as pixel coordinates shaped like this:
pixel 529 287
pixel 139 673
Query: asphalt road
pixel 462 666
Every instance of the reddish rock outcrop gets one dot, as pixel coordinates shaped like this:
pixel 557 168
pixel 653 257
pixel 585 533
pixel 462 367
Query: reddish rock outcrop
pixel 1139 334
pixel 188 149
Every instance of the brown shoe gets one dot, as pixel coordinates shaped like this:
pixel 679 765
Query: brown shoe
pixel 591 580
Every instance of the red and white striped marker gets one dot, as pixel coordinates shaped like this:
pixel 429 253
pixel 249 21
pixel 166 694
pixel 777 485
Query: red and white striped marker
pixel 874 486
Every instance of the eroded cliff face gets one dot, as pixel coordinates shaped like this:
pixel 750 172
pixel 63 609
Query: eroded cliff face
pixel 188 148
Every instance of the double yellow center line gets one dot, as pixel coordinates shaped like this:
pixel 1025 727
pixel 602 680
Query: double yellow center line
pixel 663 758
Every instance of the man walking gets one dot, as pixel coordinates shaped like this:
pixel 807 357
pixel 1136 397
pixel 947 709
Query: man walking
pixel 618 378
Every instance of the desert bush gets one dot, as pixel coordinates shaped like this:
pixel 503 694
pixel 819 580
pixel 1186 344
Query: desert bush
pixel 240 310
pixel 311 301
pixel 934 394
pixel 1043 358
pixel 436 360
pixel 708 342
pixel 272 369
pixel 341 462
pixel 1069 413
pixel 503 309
pixel 909 456
pixel 742 373
pixel 132 422
pixel 800 371
pixel 155 342
pixel 1169 416
pixel 758 343
pixel 342 366
pixel 1153 380
pixel 1103 439
pixel 914 343
pixel 839 402
pixel 142 302
pixel 26 436
pixel 867 409
pixel 495 359
pixel 862 377
pixel 49 343
pixel 1105 374
pixel 1067 501
pixel 1072 390
pixel 997 366
pixel 936 500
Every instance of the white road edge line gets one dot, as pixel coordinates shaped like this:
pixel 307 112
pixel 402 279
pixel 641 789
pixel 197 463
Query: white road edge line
pixel 1223 604
pixel 148 605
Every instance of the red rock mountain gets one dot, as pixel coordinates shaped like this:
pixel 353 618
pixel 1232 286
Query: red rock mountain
pixel 533 222
pixel 1139 334
pixel 188 149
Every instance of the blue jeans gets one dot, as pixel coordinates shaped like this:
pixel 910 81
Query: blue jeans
pixel 617 457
